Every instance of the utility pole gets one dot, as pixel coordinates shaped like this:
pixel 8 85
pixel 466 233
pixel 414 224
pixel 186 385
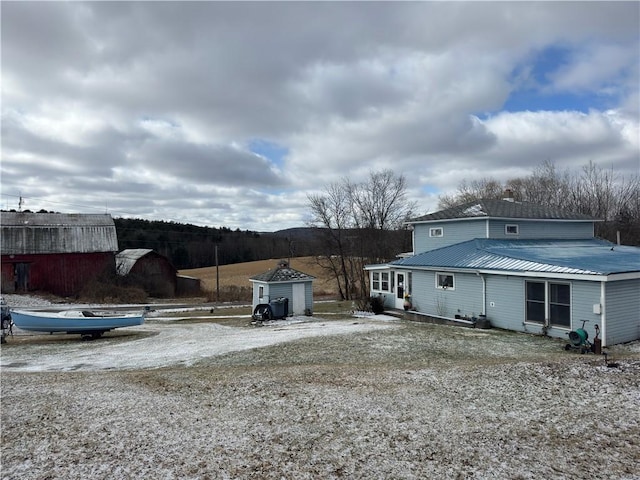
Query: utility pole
pixel 217 277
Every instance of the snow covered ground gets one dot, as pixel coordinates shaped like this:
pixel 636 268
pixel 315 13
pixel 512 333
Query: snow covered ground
pixel 368 397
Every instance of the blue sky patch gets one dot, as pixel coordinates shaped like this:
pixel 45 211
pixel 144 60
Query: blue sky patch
pixel 270 150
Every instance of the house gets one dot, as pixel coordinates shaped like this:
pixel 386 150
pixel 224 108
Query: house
pixel 284 282
pixel 55 252
pixel 149 270
pixel 523 266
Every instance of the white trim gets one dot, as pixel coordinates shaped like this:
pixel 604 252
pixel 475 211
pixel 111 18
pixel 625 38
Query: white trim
pixel 447 274
pixel 433 232
pixel 603 314
pixel 508 233
pixel 511 219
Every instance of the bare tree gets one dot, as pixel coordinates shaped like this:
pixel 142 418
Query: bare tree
pixel 592 191
pixel 357 219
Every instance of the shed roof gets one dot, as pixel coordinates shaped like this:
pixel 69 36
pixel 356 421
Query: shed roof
pixel 282 273
pixel 126 259
pixel 587 256
pixel 495 208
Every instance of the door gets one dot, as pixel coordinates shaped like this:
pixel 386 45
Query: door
pixel 21 277
pixel 298 300
pixel 403 285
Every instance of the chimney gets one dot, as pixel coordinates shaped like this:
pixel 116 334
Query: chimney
pixel 508 195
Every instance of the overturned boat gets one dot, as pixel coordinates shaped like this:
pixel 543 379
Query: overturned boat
pixel 88 323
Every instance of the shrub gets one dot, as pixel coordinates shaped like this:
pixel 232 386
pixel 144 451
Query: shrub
pixel 377 304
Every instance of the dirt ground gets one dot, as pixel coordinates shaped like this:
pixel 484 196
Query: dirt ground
pixel 389 399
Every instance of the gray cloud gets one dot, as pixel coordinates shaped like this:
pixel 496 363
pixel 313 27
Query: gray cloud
pixel 153 107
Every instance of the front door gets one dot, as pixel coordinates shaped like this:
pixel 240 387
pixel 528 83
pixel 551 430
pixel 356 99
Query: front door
pixel 403 285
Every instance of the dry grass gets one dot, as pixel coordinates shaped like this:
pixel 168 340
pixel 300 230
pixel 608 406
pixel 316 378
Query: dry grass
pixel 238 274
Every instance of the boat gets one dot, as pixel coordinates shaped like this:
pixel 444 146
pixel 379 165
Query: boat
pixel 88 323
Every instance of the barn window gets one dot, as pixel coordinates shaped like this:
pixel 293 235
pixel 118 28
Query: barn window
pixel 445 281
pixel 436 232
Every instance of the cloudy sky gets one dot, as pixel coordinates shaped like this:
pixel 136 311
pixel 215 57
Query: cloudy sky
pixel 230 114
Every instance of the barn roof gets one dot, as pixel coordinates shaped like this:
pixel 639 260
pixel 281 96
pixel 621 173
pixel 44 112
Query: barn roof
pixel 495 208
pixel 588 256
pixel 282 273
pixel 46 233
pixel 126 259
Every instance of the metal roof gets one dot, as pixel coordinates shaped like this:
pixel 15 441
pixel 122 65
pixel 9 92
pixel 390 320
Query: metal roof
pixel 494 208
pixel 282 273
pixel 126 259
pixel 586 257
pixel 25 233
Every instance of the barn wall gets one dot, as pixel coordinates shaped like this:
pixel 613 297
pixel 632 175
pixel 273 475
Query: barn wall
pixel 156 275
pixel 60 274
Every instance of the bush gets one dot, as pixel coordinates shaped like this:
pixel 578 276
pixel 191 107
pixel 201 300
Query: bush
pixel 377 304
pixel 230 293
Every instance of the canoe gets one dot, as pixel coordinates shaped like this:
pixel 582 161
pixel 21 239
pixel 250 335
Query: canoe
pixel 84 322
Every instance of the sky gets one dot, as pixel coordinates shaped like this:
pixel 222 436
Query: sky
pixel 229 114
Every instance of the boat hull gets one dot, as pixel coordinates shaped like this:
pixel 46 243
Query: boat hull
pixel 74 321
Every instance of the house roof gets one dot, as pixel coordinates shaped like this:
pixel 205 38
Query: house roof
pixel 494 208
pixel 282 273
pixel 586 257
pixel 126 259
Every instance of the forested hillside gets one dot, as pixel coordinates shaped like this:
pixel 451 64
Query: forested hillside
pixel 191 246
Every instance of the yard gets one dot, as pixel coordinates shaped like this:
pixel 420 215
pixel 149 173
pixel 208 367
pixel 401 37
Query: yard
pixel 330 396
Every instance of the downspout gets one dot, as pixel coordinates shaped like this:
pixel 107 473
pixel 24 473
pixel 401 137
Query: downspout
pixel 603 314
pixel 484 293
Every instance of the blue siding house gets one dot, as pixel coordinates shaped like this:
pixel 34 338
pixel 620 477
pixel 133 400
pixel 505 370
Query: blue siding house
pixel 522 266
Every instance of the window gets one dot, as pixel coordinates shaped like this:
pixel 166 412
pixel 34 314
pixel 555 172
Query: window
pixel 535 302
pixel 380 281
pixel 436 232
pixel 261 291
pixel 385 281
pixel 511 230
pixel 548 300
pixel 375 283
pixel 560 305
pixel 445 281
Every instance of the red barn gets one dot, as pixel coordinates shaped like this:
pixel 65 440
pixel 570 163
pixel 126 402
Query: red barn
pixel 55 252
pixel 149 270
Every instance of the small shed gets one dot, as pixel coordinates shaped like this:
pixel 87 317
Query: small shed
pixel 284 282
pixel 149 270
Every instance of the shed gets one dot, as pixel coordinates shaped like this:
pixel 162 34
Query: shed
pixel 149 270
pixel 56 253
pixel 284 282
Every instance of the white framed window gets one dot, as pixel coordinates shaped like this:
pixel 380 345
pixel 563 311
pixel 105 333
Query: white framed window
pixel 384 282
pixel 511 229
pixel 380 281
pixel 436 232
pixel 445 281
pixel 548 302
pixel 261 291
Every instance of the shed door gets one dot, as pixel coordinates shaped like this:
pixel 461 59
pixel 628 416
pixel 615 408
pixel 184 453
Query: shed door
pixel 299 303
pixel 21 276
